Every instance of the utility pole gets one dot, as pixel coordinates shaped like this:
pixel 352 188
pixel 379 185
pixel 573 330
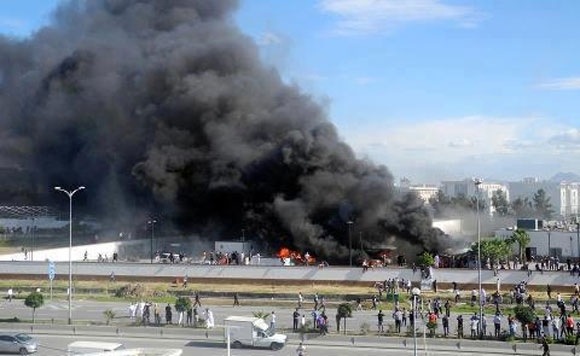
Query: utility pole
pixel 478 182
pixel 349 223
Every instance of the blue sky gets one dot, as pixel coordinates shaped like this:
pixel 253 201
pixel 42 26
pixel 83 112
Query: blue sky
pixel 435 89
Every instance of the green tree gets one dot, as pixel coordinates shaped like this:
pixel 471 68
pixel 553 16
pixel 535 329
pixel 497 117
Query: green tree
pixel 34 300
pixel 522 238
pixel 522 208
pixel 494 249
pixel 343 312
pixel 425 259
pixel 500 203
pixel 182 304
pixel 542 205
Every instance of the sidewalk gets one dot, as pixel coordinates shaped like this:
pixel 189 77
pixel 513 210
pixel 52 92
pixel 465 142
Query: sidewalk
pixel 216 335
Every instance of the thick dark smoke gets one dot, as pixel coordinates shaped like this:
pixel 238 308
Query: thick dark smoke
pixel 164 105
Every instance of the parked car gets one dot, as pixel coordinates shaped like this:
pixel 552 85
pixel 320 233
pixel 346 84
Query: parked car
pixel 18 344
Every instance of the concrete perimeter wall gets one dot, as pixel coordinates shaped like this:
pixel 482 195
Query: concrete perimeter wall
pixel 276 275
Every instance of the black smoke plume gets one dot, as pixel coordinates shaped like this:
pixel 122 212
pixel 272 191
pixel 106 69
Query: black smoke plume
pixel 164 105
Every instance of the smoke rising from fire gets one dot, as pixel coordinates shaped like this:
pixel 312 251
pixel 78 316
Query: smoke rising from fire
pixel 164 104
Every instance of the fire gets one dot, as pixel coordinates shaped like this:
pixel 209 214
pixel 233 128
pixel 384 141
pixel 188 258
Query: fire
pixel 296 256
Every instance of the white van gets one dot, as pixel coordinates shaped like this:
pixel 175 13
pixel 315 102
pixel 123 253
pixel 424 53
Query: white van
pixel 253 332
pixel 91 347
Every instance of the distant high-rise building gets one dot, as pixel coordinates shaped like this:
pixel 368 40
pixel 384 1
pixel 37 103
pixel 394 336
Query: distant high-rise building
pixel 467 188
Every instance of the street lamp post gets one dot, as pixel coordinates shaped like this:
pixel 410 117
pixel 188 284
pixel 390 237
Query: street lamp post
pixel 349 223
pixel 152 223
pixel 578 238
pixel 70 196
pixel 243 235
pixel 416 293
pixel 549 243
pixel 478 182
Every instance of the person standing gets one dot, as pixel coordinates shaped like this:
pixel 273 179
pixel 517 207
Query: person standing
pixel 195 317
pixel 300 300
pixel 497 324
pixel 157 314
pixel 197 302
pixel 189 320
pixel 295 317
pixel 397 315
pixel 380 320
pixel 549 291
pixel 445 322
pixel 210 322
pixel 447 308
pixel 168 314
pixel 273 322
pixel 473 326
pixel 404 317
pixel 185 278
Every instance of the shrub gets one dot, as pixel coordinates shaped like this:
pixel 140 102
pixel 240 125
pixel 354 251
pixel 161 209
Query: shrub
pixel 365 328
pixel 137 291
pixel 569 340
pixel 425 260
pixel 109 315
pixel 182 304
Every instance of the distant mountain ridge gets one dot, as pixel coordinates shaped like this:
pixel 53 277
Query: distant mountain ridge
pixel 565 177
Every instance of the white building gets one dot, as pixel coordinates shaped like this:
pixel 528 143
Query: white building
pixel 569 204
pixel 424 191
pixel 467 188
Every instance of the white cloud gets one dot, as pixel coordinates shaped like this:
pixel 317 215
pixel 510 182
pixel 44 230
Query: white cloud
pixel 501 147
pixel 572 83
pixel 568 139
pixel 373 16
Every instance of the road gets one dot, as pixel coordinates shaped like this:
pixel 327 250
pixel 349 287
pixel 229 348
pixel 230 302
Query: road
pixel 91 311
pixel 55 345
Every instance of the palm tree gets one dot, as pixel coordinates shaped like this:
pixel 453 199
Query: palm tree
pixel 522 238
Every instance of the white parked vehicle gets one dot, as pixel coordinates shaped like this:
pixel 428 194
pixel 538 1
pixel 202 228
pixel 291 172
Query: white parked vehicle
pixel 252 332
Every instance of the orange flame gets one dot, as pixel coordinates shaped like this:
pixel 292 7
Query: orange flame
pixel 295 255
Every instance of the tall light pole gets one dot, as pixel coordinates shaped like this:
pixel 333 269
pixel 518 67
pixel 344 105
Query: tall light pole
pixel 349 223
pixel 243 235
pixel 416 293
pixel 152 223
pixel 478 182
pixel 578 237
pixel 70 222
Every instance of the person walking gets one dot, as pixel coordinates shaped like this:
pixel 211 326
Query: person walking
pixel 300 300
pixel 295 317
pixel 185 278
pixel 301 350
pixel 10 294
pixel 473 326
pixel 157 314
pixel 236 300
pixel 195 317
pixel 545 347
pixel 404 317
pixel 209 320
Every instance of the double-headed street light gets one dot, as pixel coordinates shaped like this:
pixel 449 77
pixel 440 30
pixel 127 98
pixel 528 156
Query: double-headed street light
pixel 70 196
pixel 349 223
pixel 478 182
pixel 416 293
pixel 152 222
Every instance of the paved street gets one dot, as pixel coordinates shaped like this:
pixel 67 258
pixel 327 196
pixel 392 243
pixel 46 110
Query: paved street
pixel 55 345
pixel 93 311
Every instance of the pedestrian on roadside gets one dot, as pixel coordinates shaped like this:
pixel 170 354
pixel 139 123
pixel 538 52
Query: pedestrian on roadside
pixel 545 347
pixel 189 320
pixel 185 278
pixel 112 277
pixel 549 291
pixel 236 300
pixel 303 321
pixel 209 320
pixel 10 294
pixel 447 308
pixel 380 319
pixel 473 326
pixel 197 302
pixel 273 322
pixel 404 317
pixel 397 315
pixel 497 324
pixel 157 313
pixel 358 304
pixel 295 317
pixel 445 322
pixel 168 314
pixel 300 300
pixel 301 350
pixel 195 317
